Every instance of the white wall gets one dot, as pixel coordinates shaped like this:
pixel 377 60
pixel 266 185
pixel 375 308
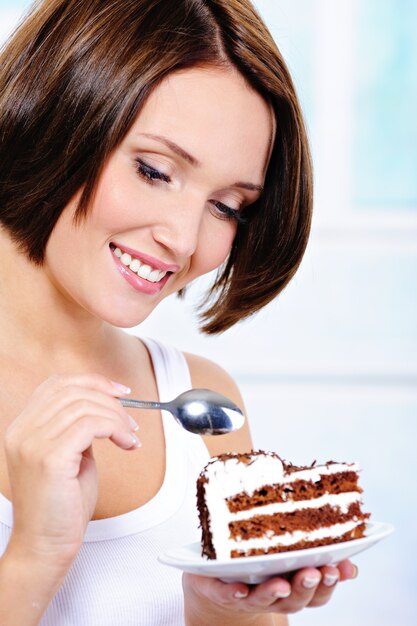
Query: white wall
pixel 329 370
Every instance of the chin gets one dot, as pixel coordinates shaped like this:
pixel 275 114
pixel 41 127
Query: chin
pixel 125 321
pixel 123 316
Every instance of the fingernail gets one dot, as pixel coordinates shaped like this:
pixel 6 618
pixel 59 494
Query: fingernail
pixel 120 387
pixel 330 579
pixel 310 581
pixel 136 442
pixel 240 594
pixel 355 572
pixel 133 424
pixel 281 593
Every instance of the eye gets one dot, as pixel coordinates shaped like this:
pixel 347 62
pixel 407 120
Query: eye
pixel 150 174
pixel 225 212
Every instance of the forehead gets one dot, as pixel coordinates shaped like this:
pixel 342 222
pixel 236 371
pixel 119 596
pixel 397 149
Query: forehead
pixel 212 113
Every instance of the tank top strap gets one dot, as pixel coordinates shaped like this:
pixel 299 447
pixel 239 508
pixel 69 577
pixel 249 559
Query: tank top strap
pixel 170 368
pixel 173 377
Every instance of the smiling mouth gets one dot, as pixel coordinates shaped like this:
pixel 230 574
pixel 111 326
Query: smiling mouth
pixel 143 270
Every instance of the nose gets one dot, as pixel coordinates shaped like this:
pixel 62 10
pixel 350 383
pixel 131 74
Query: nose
pixel 179 229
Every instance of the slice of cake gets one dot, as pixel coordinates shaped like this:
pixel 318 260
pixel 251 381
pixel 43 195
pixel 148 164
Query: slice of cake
pixel 252 504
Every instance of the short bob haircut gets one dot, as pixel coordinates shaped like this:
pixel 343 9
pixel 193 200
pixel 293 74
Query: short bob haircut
pixel 73 77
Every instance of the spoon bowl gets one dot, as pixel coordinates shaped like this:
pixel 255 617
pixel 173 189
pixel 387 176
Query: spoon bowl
pixel 200 411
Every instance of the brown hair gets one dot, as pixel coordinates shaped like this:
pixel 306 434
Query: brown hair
pixel 74 76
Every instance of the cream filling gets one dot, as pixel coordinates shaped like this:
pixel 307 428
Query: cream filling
pixel 341 500
pixel 288 539
pixel 143 270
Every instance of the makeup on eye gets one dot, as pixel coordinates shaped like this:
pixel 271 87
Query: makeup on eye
pixel 226 212
pixel 151 175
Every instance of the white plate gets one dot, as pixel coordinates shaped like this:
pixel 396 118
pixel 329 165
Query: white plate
pixel 256 569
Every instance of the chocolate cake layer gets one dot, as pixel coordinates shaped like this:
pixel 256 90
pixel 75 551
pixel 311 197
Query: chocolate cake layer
pixel 303 519
pixel 356 533
pixel 342 482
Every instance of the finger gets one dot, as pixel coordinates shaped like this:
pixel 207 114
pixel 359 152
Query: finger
pixel 60 389
pixel 78 410
pixel 329 578
pixel 98 382
pixel 218 592
pixel 73 395
pixel 304 584
pixel 81 434
pixel 62 457
pixel 347 570
pixel 265 594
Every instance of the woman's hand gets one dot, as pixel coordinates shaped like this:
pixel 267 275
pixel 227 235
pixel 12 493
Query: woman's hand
pixel 51 467
pixel 308 587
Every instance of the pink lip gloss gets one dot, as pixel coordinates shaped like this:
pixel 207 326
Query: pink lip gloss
pixel 140 284
pixel 147 259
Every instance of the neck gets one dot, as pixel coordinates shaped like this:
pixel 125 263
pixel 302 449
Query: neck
pixel 40 324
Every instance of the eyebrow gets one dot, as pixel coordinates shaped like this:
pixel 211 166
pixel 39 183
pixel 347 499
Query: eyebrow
pixel 175 148
pixel 195 162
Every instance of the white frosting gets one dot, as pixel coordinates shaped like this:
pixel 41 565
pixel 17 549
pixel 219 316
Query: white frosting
pixel 342 500
pixel 233 476
pixel 288 539
pixel 230 477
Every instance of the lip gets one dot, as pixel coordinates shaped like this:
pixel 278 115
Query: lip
pixel 135 281
pixel 147 259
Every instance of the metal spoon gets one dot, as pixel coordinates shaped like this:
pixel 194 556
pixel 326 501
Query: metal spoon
pixel 200 411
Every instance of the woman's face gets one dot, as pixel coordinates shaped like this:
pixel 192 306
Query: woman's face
pixel 168 200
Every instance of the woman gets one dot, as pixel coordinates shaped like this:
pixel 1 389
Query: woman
pixel 144 143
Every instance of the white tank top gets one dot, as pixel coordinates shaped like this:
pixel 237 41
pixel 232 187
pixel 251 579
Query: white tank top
pixel 116 579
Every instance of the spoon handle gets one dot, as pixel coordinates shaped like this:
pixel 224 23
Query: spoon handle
pixel 140 404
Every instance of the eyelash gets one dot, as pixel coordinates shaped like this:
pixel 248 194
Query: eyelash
pixel 151 175
pixel 227 213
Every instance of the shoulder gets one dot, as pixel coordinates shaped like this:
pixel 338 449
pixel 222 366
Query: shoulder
pixel 207 374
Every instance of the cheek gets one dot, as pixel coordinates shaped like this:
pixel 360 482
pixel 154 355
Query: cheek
pixel 214 250
pixel 116 204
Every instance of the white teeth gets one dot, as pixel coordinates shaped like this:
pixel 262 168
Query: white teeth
pixel 154 276
pixel 134 265
pixel 126 259
pixel 142 270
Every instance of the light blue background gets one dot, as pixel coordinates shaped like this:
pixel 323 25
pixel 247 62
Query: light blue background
pixel 385 166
